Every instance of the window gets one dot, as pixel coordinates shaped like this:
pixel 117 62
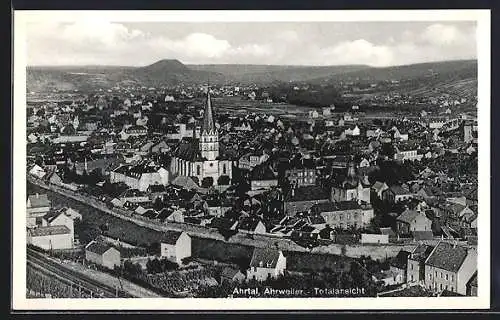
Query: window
pixel 198 170
pixel 441 275
pixel 411 277
pixel 440 286
pixel 452 289
pixel 451 277
pixel 224 168
pixel 411 267
pixel 430 276
pixel 436 274
pixel 446 276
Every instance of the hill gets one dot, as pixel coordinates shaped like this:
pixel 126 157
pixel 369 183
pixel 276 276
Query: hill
pixel 251 73
pixel 173 72
pixel 456 68
pixel 161 73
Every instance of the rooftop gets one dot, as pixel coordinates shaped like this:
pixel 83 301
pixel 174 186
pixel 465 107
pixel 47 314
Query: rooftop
pixel 171 237
pixel 263 257
pixel 49 231
pixel 98 247
pixel 447 256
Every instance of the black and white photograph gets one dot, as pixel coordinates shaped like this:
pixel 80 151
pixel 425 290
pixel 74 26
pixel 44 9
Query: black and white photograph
pixel 269 160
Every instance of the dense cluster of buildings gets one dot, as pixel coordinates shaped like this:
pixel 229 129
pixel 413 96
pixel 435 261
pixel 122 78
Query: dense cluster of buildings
pixel 321 179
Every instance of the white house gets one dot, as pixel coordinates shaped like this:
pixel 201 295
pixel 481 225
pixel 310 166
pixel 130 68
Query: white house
pixel 51 237
pixel 175 246
pixel 140 176
pixel 37 206
pixel 37 171
pixel 102 254
pixel 266 263
pixel 59 218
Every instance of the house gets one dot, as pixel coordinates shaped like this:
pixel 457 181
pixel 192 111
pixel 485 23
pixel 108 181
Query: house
pixel 396 194
pixel 175 216
pixel 303 174
pixel 265 263
pixel 415 272
pixel 263 177
pixel 37 171
pixel 250 160
pixel 175 246
pixel 140 176
pixel 301 199
pixel 399 265
pixel 59 218
pixel 472 286
pixel 102 254
pixel 51 237
pixel 231 275
pixel 344 214
pixel 450 267
pixel 378 188
pixel 404 153
pixel 37 206
pixel 251 225
pixel 38 203
pixel 412 220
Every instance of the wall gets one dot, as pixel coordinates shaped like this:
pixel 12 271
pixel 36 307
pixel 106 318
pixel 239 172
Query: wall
pixel 469 267
pixel 374 238
pixel 58 241
pixel 183 247
pixel 111 258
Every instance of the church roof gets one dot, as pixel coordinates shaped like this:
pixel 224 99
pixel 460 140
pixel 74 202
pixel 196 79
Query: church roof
pixel 208 124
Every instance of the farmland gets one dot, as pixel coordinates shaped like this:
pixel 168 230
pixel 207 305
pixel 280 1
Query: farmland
pixel 40 285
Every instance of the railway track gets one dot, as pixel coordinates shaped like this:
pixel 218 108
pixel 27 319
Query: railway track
pixel 75 279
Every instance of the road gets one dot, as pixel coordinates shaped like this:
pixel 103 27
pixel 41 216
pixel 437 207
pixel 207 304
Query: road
pixel 52 268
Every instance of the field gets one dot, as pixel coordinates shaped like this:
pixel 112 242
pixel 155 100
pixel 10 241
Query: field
pixel 39 285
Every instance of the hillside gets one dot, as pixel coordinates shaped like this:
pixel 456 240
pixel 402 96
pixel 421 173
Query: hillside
pixel 247 73
pixel 458 68
pixel 161 73
pixel 173 72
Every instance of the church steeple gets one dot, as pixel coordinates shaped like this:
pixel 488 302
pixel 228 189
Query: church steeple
pixel 208 125
pixel 209 137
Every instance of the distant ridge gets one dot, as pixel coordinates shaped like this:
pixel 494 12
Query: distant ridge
pixel 168 72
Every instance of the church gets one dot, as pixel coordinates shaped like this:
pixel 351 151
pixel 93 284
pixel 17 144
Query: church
pixel 202 159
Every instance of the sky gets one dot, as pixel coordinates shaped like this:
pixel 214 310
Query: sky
pixel 103 42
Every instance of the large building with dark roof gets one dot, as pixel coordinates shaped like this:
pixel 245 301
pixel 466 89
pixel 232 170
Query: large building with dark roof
pixel 450 267
pixel 202 160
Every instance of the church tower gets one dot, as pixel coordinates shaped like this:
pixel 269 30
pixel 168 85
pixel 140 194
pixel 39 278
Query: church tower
pixel 209 138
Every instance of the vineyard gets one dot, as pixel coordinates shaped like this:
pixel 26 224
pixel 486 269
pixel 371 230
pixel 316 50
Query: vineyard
pixel 177 283
pixel 39 285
